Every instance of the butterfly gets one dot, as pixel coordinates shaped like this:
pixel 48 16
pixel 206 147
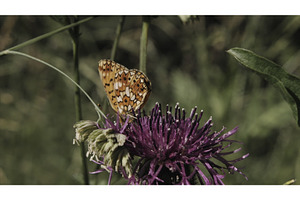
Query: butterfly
pixel 126 89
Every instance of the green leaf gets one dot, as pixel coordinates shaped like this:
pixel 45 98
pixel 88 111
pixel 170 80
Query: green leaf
pixel 287 84
pixel 290 182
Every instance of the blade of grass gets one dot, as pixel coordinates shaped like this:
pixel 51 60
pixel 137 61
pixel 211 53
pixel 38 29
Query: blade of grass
pixel 143 44
pixel 117 38
pixel 46 35
pixel 99 112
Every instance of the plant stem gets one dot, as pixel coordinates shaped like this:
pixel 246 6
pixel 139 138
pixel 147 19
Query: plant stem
pixel 143 44
pixel 46 35
pixel 99 112
pixel 75 41
pixel 117 38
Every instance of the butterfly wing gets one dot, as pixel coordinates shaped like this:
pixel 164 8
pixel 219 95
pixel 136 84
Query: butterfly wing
pixel 107 71
pixel 122 89
pixel 140 89
pixel 125 89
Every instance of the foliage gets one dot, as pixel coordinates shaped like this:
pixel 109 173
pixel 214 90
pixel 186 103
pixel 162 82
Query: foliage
pixel 288 85
pixel 186 63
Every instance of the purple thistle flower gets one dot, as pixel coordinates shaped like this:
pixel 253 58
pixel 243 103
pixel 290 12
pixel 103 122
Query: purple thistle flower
pixel 174 149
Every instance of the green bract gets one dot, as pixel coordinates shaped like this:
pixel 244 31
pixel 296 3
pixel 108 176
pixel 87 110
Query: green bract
pixel 104 143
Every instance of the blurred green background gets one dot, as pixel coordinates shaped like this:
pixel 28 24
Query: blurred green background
pixel 187 63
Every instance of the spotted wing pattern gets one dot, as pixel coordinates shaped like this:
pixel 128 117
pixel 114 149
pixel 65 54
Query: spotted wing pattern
pixel 126 89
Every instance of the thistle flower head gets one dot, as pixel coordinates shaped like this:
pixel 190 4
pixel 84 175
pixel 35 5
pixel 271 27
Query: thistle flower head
pixel 173 148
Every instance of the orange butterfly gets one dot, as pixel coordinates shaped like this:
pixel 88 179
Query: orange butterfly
pixel 126 89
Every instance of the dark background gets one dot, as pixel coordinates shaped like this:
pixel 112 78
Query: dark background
pixel 186 63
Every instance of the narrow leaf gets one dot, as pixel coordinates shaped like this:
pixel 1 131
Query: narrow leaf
pixel 287 84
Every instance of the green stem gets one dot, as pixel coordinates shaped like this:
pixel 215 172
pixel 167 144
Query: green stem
pixel 99 112
pixel 116 41
pixel 46 35
pixel 75 40
pixel 143 44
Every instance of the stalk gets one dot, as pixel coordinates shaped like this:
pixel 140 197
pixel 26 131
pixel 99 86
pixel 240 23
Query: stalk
pixel 143 44
pixel 117 38
pixel 74 32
